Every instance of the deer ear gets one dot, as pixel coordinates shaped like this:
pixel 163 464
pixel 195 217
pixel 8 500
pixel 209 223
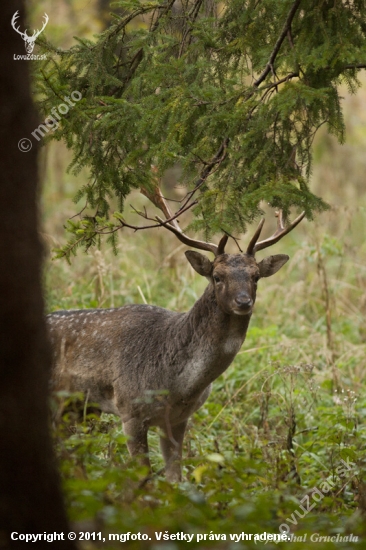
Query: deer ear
pixel 269 266
pixel 199 262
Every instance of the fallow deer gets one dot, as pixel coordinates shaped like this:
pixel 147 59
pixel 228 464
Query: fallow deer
pixel 155 367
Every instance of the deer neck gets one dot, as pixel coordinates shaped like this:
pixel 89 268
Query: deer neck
pixel 212 323
pixel 210 338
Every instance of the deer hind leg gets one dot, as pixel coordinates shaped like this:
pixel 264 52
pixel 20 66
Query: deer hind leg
pixel 171 444
pixel 137 443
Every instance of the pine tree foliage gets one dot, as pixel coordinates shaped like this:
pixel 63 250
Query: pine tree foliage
pixel 232 91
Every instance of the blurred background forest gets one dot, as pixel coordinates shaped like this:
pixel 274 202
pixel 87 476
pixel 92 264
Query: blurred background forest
pixel 292 405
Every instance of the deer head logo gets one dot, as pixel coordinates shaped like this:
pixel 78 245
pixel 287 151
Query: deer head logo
pixel 29 40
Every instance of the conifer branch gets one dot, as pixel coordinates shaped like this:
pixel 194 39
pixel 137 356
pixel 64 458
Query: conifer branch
pixel 355 66
pixel 278 44
pixel 107 230
pixel 166 8
pixel 141 11
pixel 193 14
pixel 192 104
pixel 218 158
pixel 139 55
pixel 160 223
pixel 280 81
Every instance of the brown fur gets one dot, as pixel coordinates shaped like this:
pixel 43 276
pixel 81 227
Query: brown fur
pixel 154 367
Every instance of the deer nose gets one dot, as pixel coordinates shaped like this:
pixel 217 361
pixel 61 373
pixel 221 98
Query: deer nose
pixel 243 301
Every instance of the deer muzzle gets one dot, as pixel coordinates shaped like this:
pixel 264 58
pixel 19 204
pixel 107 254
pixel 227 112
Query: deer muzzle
pixel 243 304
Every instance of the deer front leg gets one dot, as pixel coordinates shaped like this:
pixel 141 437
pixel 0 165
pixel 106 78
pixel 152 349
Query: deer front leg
pixel 137 443
pixel 171 444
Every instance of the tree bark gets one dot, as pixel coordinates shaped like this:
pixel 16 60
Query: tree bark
pixel 30 495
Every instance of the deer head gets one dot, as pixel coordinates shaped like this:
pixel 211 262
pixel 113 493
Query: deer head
pixel 29 40
pixel 233 276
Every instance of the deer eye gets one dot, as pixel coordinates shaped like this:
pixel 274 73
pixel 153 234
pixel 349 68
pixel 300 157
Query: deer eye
pixel 216 279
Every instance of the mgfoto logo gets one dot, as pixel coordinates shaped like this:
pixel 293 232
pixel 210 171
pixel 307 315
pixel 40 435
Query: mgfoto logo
pixel 29 41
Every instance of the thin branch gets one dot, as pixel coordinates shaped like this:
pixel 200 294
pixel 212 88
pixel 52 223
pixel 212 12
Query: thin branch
pixel 138 57
pixel 234 239
pixel 130 17
pixel 210 247
pixel 278 44
pixel 168 7
pixel 290 39
pixel 81 211
pixel 218 158
pixel 161 223
pixel 281 81
pixel 193 13
pixel 355 66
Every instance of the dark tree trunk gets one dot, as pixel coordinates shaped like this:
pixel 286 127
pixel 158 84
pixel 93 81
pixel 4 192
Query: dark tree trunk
pixel 30 497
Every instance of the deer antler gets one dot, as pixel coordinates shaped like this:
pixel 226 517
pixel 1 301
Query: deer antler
pixel 24 34
pixel 280 232
pixel 171 223
pixel 13 22
pixel 37 33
